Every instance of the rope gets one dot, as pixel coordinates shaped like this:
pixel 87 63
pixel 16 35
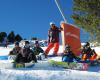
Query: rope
pixel 59 7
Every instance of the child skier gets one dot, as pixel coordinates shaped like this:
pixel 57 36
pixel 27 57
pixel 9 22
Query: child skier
pixel 68 55
pixel 16 50
pixel 38 51
pixel 88 53
pixel 26 55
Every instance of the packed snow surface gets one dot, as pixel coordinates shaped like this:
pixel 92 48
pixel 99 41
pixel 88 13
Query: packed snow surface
pixel 43 71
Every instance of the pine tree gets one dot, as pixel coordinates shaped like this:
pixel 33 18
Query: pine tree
pixel 18 38
pixel 2 35
pixel 34 38
pixel 11 37
pixel 87 15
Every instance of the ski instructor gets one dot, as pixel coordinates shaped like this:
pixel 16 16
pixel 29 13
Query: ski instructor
pixel 53 39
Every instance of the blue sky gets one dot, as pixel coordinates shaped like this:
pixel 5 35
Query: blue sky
pixel 32 17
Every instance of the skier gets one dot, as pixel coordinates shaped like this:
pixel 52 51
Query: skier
pixel 26 55
pixel 88 53
pixel 68 55
pixel 38 51
pixel 53 39
pixel 16 50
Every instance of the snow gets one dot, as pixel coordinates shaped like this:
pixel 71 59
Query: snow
pixel 48 75
pixel 4 51
pixel 43 71
pixel 97 49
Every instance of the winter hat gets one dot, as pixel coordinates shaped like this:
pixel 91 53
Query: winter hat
pixel 51 23
pixel 87 44
pixel 27 42
pixel 36 42
pixel 16 43
pixel 67 47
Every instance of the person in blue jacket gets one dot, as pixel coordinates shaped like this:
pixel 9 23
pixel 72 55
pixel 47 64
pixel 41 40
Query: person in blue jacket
pixel 68 55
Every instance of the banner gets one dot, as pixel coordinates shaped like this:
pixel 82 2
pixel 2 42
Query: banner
pixel 71 37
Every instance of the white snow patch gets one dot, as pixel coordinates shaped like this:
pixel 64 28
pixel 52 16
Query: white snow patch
pixel 4 51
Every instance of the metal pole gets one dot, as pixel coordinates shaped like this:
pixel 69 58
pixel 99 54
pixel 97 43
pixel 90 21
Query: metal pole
pixel 59 7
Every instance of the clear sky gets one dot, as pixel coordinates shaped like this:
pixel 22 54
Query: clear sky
pixel 32 17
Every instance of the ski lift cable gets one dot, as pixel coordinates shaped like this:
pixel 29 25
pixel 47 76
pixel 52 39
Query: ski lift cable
pixel 61 11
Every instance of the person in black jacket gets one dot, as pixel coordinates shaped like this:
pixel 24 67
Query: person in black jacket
pixel 26 55
pixel 53 39
pixel 87 52
pixel 16 50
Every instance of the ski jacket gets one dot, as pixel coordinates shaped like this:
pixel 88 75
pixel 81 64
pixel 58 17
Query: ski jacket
pixel 88 51
pixel 15 51
pixel 37 50
pixel 69 57
pixel 53 35
pixel 26 52
pixel 25 56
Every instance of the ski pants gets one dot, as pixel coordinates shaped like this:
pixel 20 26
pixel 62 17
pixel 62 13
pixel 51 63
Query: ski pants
pixel 50 46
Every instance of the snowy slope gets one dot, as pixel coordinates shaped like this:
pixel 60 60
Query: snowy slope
pixel 47 75
pixel 43 71
pixel 4 51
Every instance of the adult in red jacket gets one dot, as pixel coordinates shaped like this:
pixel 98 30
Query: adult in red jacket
pixel 53 39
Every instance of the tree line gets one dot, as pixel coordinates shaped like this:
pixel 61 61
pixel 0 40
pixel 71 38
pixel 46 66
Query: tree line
pixel 11 37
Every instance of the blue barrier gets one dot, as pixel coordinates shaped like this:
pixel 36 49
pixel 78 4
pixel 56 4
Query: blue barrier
pixel 3 57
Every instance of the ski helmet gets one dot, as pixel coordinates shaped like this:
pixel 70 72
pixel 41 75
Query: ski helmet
pixel 52 23
pixel 67 47
pixel 87 44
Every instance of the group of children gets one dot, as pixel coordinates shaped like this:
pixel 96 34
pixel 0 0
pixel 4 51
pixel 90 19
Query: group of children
pixel 28 54
pixel 87 54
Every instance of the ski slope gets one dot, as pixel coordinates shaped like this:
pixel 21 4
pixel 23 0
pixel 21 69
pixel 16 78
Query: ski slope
pixel 48 75
pixel 43 71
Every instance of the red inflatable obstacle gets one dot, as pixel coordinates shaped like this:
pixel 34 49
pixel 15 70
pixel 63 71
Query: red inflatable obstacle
pixel 71 37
